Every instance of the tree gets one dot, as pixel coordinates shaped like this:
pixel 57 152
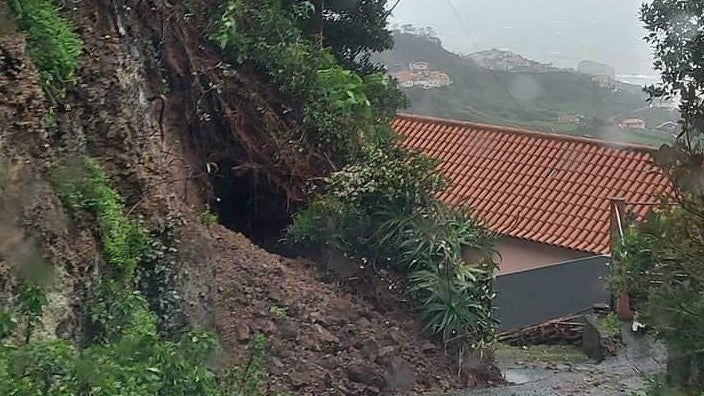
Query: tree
pixel 354 29
pixel 675 295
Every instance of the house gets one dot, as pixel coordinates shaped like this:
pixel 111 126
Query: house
pixel 419 66
pixel 546 195
pixel 439 78
pixel 420 75
pixel 569 119
pixel 404 77
pixel 604 81
pixel 632 123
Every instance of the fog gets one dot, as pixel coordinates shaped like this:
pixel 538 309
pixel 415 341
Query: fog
pixel 560 31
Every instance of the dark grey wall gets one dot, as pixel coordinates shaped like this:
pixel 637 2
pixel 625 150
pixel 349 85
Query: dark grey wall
pixel 535 296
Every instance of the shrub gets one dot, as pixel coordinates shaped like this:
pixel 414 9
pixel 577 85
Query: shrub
pixel 208 218
pixel 631 262
pixel 671 280
pixel 251 379
pixel 332 105
pixel 86 186
pixel 53 45
pixel 128 356
pixel 384 210
pixel 31 300
pixel 135 364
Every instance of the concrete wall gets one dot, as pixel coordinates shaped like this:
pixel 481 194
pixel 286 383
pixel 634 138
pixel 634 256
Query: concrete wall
pixel 520 255
pixel 538 295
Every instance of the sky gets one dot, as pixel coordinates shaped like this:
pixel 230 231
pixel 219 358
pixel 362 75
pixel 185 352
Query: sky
pixel 560 31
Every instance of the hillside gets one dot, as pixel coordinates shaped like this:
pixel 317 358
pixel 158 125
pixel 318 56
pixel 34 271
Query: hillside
pixel 525 99
pixel 133 159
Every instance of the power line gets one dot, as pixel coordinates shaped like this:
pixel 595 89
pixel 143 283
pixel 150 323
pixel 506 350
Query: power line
pixel 391 10
pixel 457 16
pixel 493 74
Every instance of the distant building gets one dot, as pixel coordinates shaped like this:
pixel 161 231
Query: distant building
pixel 442 79
pixel 604 81
pixel 495 59
pixel 418 66
pixel 569 119
pixel 632 123
pixel 420 75
pixel 403 75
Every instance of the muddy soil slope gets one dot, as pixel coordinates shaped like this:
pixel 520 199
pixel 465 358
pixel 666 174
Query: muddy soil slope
pixel 134 107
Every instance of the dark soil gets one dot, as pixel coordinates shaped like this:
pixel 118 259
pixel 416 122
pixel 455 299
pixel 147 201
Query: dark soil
pixel 327 342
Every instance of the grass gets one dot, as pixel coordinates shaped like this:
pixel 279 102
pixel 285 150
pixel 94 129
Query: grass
pixel 541 353
pixel 279 313
pixel 208 218
pixel 53 45
pixel 123 240
pixel 610 324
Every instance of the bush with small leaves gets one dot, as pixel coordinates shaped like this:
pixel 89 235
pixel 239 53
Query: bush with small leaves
pixel 384 210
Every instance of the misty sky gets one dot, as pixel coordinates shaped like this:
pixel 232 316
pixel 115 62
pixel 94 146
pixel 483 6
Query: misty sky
pixel 559 31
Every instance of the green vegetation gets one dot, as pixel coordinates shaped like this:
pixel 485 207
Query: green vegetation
pixel 128 355
pixel 335 104
pixel 208 218
pixel 663 258
pixel 353 30
pixel 31 300
pixel 633 260
pixel 252 379
pixel 611 325
pixel 380 206
pixel 384 210
pixel 665 280
pixel 278 313
pixel 53 45
pixel 531 100
pixel 124 241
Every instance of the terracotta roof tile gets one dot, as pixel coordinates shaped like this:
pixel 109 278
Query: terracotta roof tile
pixel 543 187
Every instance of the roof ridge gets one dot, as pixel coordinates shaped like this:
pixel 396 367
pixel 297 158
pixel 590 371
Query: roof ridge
pixel 531 132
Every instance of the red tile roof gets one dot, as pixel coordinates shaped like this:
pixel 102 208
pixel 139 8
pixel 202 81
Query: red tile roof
pixel 548 188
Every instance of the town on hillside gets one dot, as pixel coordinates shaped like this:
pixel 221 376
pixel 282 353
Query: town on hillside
pixel 419 74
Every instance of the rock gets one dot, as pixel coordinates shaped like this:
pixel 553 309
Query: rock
pixel 370 349
pixel 400 374
pixel 325 335
pixel 299 379
pixel 276 296
pixel 366 375
pixel 592 339
pixel 276 362
pixel 386 351
pixel 429 347
pixel 288 330
pixel 266 326
pixel 394 335
pixel 243 332
pixel 316 317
